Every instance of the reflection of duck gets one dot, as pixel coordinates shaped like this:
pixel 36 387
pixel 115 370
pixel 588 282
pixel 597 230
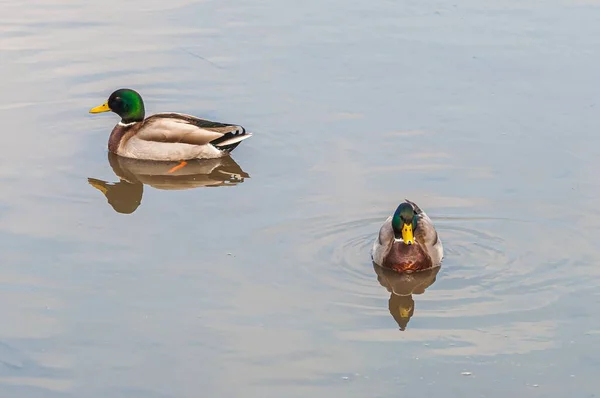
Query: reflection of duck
pixel 408 241
pixel 402 286
pixel 166 136
pixel 126 195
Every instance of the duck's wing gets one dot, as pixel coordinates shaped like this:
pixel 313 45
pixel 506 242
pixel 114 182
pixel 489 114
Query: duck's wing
pixel 181 128
pixel 386 232
pixel 383 242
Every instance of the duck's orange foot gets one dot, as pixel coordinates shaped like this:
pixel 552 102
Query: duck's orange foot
pixel 178 167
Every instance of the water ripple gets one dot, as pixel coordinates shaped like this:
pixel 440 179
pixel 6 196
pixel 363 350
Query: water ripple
pixel 489 279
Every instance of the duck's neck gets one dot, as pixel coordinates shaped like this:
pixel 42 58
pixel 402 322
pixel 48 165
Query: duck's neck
pixel 133 117
pixel 124 123
pixel 135 112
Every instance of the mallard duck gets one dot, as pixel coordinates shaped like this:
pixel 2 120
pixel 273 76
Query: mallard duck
pixel 408 241
pixel 166 136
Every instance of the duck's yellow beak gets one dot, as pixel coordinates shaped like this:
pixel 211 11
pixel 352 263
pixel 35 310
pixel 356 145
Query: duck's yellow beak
pixel 407 234
pixel 99 109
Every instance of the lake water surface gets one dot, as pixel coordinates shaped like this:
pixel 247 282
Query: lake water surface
pixel 251 276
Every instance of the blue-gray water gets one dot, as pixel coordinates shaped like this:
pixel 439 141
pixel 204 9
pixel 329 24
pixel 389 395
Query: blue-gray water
pixel 256 281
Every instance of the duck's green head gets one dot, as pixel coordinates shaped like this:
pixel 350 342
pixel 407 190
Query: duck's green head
pixel 404 223
pixel 126 103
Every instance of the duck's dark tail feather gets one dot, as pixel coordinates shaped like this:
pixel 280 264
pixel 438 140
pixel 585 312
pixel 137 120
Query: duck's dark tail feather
pixel 229 141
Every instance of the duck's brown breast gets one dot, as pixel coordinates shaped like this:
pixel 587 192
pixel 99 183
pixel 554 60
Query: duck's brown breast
pixel 120 134
pixel 403 258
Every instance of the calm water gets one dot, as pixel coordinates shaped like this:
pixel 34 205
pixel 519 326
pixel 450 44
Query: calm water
pixel 251 276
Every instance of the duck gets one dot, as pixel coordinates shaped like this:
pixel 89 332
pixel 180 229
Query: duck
pixel 166 136
pixel 408 241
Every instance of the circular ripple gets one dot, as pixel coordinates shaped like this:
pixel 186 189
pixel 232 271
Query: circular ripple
pixel 498 290
pixel 483 274
pixel 342 253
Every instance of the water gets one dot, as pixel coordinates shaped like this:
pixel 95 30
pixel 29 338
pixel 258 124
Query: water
pixel 251 276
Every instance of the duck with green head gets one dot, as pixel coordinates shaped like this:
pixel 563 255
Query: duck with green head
pixel 408 241
pixel 166 136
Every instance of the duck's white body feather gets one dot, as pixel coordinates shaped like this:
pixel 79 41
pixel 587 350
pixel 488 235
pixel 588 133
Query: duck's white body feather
pixel 138 148
pixel 175 136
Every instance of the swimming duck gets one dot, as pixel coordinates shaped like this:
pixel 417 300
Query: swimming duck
pixel 166 136
pixel 408 241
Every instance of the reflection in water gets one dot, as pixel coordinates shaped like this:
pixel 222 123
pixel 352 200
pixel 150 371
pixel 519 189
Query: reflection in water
pixel 125 196
pixel 402 286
